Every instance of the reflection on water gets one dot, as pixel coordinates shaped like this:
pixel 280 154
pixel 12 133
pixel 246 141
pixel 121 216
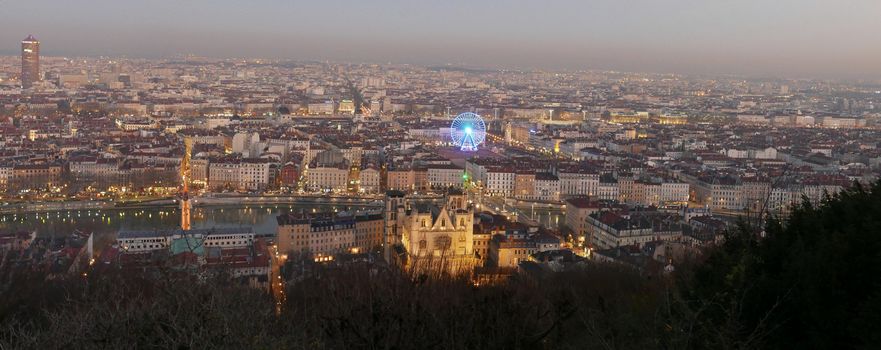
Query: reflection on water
pixel 260 217
pixel 550 219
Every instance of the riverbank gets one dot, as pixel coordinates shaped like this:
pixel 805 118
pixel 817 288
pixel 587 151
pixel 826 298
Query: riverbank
pixel 199 201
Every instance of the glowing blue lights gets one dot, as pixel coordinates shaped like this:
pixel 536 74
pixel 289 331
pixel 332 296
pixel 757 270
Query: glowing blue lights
pixel 468 131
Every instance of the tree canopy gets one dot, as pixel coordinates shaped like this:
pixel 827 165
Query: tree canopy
pixel 813 281
pixel 809 281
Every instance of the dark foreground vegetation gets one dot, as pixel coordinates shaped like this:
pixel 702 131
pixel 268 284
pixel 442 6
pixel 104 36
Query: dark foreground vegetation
pixel 813 282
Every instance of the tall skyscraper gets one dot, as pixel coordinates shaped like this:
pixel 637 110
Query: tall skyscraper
pixel 30 62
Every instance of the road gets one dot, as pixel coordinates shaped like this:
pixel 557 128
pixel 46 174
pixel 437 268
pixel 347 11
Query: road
pixel 276 281
pixel 199 201
pixel 497 205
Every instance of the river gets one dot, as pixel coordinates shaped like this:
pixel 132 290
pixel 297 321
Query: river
pixel 262 218
pixel 107 222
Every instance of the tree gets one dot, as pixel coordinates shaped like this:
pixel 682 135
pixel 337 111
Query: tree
pixel 813 282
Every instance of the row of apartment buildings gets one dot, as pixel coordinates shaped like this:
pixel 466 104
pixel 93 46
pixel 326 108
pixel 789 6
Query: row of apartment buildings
pixel 572 181
pixel 232 173
pixel 330 233
pixel 756 194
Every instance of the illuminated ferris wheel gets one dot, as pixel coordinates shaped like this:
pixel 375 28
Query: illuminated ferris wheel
pixel 468 131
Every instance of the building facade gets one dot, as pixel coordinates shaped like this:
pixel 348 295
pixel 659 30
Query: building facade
pixel 30 62
pixel 325 234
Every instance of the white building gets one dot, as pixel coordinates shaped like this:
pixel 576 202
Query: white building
pixel 369 180
pixel 321 108
pixel 330 178
pixel 144 241
pixel 499 181
pixel 578 183
pixel 93 166
pixel 547 187
pixel 244 143
pixel 237 173
pixel 444 176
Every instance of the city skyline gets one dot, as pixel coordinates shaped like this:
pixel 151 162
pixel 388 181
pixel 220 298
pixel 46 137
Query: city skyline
pixel 406 174
pixel 781 39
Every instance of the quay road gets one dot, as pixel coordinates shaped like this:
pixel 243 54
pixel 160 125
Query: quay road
pixel 285 199
pixel 199 201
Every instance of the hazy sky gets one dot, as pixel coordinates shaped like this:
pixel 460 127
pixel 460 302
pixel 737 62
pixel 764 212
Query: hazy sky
pixel 756 37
